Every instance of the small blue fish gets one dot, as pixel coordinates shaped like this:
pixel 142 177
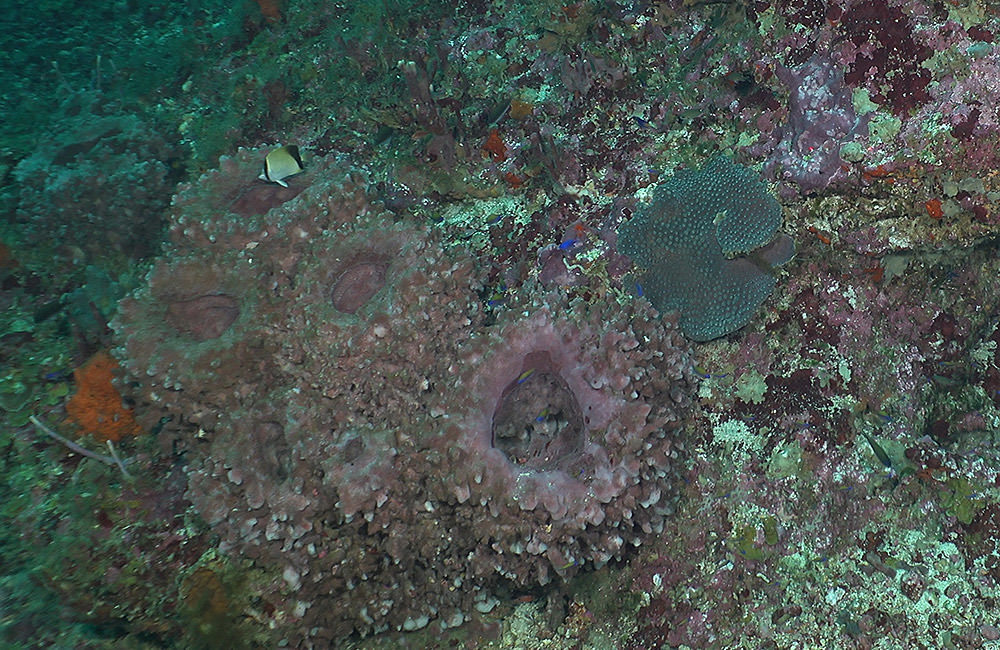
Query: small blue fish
pixel 704 374
pixel 58 375
pixel 523 377
pixel 568 244
pixel 496 219
pixel 498 297
pixel 638 289
pixel 541 416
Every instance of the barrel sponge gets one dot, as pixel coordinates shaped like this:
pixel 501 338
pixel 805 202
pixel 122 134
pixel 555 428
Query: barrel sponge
pixel 697 246
pixel 377 442
pixel 198 336
pixel 562 443
pixel 195 331
pixel 373 313
pixel 365 320
pixel 230 207
pixel 545 445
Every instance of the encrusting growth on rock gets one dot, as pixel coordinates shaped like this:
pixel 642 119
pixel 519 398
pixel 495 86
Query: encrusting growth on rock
pixel 97 406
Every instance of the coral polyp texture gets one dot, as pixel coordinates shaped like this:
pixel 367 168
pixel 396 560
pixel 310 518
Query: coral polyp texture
pixel 358 427
pixel 706 247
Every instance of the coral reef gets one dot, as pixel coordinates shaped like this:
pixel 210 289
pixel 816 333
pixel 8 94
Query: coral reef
pixel 99 182
pixel 413 459
pixel 696 242
pixel 415 388
pixel 888 59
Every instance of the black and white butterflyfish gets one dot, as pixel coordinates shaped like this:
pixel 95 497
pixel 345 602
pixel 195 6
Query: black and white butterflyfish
pixel 280 164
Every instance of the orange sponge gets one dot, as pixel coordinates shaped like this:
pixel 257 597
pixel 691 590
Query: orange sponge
pixel 97 406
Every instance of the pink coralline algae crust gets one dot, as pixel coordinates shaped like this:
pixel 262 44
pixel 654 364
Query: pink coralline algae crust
pixel 865 86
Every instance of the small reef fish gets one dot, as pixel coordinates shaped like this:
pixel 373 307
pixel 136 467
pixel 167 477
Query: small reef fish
pixel 705 374
pixel 879 451
pixel 498 297
pixel 281 163
pixel 58 375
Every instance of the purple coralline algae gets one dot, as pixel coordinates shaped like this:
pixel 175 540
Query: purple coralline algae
pixel 821 119
pixel 354 424
pixel 696 243
pixel 887 59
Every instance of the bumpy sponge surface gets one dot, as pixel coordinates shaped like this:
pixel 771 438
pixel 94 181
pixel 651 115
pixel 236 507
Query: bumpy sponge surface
pixel 697 243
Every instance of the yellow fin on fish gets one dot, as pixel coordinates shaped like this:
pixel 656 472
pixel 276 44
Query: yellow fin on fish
pixel 281 163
